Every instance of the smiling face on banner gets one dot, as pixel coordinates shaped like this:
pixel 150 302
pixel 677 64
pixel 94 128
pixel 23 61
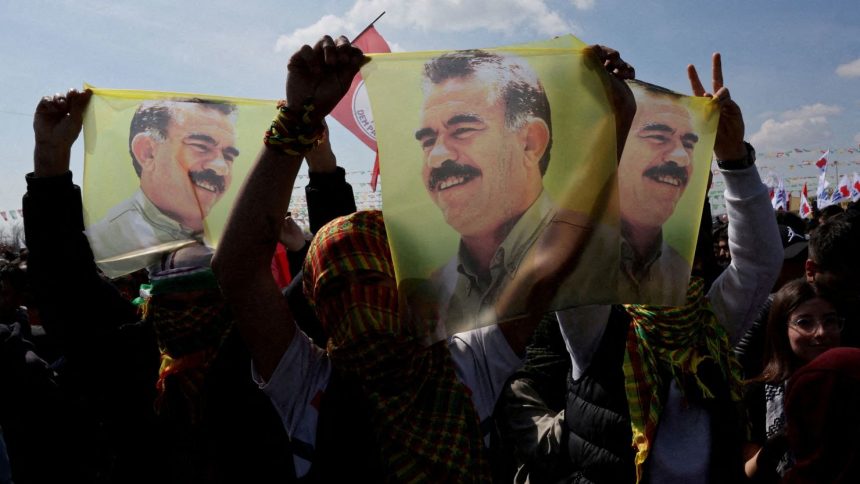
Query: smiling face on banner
pixel 186 168
pixel 657 163
pixel 484 131
pixel 471 157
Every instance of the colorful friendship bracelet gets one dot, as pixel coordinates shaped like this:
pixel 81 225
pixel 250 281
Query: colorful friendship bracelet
pixel 291 135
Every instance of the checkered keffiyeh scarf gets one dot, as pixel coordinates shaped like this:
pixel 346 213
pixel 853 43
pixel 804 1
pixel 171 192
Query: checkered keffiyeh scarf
pixel 686 344
pixel 191 321
pixel 425 423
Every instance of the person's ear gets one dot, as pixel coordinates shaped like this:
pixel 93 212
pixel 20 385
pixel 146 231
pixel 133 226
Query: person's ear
pixel 536 133
pixel 144 146
pixel 811 268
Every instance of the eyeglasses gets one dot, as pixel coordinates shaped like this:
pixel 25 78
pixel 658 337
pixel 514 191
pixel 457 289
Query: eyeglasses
pixel 829 324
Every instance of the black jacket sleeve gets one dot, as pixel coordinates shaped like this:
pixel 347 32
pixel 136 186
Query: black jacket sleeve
pixel 78 307
pixel 329 196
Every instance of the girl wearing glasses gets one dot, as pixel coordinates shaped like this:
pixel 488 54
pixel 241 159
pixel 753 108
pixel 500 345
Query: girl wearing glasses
pixel 802 325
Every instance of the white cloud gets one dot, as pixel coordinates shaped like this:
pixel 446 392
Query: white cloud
pixel 811 111
pixel 851 69
pixel 439 16
pixel 796 127
pixel 328 24
pixel 583 4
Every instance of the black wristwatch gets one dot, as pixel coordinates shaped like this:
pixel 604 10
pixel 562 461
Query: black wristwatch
pixel 741 163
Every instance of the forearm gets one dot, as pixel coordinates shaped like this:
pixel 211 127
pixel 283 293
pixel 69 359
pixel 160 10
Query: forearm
pixel 242 260
pixel 64 277
pixel 756 252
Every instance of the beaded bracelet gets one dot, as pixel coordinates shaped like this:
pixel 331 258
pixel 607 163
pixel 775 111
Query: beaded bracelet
pixel 293 135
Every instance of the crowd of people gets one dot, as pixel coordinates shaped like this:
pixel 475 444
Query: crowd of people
pixel 202 368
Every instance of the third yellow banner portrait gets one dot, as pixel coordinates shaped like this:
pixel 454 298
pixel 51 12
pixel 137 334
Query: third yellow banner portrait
pixel 503 187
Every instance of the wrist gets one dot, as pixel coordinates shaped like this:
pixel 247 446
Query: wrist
pixel 737 159
pixel 295 131
pixel 50 160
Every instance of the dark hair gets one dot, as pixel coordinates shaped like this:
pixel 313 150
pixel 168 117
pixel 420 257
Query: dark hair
pixel 518 85
pixel 721 231
pixel 829 212
pixel 834 246
pixel 655 89
pixel 779 360
pixel 153 117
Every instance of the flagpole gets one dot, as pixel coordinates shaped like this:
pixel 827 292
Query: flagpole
pixel 368 27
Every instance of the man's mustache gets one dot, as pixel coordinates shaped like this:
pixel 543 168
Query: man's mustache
pixel 668 169
pixel 450 169
pixel 208 180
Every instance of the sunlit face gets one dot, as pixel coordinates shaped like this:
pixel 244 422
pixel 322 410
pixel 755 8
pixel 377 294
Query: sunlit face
pixel 192 168
pixel 656 164
pixel 474 167
pixel 811 329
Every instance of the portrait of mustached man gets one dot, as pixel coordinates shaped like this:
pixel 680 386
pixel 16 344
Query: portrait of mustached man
pixel 486 134
pixel 183 152
pixel 655 168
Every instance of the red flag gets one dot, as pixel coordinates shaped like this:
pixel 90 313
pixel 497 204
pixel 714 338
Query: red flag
pixel 374 175
pixel 843 187
pixel 353 111
pixel 822 162
pixel 805 207
pixel 281 267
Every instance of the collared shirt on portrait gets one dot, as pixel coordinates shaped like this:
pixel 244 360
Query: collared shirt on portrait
pixel 134 234
pixel 661 277
pixel 473 296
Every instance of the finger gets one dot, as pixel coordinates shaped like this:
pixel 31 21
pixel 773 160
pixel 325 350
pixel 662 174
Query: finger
pixel 46 105
pixel 344 50
pixel 695 83
pixel 625 70
pixel 717 71
pixel 77 104
pixel 329 51
pixel 605 53
pixel 60 104
pixel 722 95
pixel 301 58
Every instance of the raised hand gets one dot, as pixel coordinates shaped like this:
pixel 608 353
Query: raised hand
pixel 291 235
pixel 57 124
pixel 612 62
pixel 729 144
pixel 322 74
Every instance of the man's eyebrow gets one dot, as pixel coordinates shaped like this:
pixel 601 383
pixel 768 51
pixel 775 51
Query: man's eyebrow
pixel 663 128
pixel 691 137
pixel 230 150
pixel 464 118
pixel 455 119
pixel 424 133
pixel 201 137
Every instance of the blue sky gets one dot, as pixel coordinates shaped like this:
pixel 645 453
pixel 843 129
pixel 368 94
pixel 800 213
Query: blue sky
pixel 794 67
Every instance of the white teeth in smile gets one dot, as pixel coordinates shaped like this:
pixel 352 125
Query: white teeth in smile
pixel 451 181
pixel 206 186
pixel 669 180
